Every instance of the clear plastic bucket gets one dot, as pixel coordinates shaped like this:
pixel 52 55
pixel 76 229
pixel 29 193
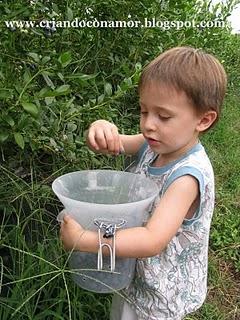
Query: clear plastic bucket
pixel 92 196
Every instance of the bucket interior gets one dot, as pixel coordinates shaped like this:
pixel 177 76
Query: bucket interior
pixel 104 187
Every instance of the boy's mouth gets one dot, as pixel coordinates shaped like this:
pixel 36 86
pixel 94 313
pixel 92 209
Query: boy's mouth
pixel 152 141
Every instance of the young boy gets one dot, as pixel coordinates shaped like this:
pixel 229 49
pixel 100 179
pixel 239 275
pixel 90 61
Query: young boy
pixel 181 94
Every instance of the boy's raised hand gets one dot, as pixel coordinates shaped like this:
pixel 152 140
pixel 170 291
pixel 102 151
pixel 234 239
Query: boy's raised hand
pixel 103 137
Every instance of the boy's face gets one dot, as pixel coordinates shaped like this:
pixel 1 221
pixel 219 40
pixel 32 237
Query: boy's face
pixel 168 120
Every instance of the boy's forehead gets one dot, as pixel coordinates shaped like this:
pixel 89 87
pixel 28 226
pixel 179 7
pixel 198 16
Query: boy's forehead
pixel 159 87
pixel 155 90
pixel 163 97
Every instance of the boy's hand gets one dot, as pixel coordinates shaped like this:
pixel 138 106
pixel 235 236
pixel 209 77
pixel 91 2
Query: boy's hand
pixel 103 137
pixel 70 233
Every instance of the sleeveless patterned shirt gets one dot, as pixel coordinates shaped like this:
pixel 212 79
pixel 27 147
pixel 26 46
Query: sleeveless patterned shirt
pixel 174 283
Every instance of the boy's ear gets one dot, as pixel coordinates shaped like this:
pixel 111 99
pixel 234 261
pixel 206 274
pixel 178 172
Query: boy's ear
pixel 206 120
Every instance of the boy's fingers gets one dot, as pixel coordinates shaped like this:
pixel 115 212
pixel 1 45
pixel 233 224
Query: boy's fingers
pixel 122 150
pixel 110 139
pixel 116 139
pixel 101 140
pixel 92 140
pixel 105 137
pixel 66 218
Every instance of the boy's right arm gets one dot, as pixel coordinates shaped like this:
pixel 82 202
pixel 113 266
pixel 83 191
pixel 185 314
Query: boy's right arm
pixel 103 137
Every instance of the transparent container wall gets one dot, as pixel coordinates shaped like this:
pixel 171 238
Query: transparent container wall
pixel 104 194
pixel 101 281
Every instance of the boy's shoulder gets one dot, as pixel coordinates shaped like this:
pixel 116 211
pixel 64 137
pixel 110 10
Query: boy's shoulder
pixel 195 163
pixel 196 157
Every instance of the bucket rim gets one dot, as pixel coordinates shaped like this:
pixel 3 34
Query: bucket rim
pixel 152 196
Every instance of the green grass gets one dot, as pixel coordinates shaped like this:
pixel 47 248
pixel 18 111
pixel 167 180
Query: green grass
pixel 222 145
pixel 222 301
pixel 223 148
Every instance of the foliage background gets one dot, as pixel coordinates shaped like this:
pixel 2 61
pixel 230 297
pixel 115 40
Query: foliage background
pixel 53 84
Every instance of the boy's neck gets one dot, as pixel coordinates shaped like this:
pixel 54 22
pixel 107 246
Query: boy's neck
pixel 165 159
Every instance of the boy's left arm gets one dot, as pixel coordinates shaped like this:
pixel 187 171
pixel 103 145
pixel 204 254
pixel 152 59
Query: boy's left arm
pixel 141 241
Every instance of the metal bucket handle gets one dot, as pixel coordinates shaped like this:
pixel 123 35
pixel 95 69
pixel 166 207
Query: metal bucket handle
pixel 108 227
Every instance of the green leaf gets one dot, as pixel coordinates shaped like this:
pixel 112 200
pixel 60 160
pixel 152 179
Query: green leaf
pixel 81 76
pixel 48 80
pixel 34 56
pixel 60 75
pixel 69 14
pixel 23 122
pixel 138 66
pixel 45 59
pixel 8 119
pixel 100 99
pixel 30 108
pixel 19 139
pixel 55 7
pixel 126 84
pixel 49 100
pixel 42 93
pixel 3 136
pixel 108 88
pixel 2 75
pixel 26 76
pixel 65 58
pixel 6 93
pixel 53 143
pixel 63 89
pixel 128 81
pixel 71 127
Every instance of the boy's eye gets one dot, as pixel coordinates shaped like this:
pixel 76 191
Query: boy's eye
pixel 164 118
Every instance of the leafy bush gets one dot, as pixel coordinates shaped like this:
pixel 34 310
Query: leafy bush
pixel 55 82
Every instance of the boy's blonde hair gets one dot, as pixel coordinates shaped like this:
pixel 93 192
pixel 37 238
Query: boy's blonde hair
pixel 200 75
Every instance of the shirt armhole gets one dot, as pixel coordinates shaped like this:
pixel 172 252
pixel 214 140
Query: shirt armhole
pixel 141 151
pixel 187 170
pixel 132 163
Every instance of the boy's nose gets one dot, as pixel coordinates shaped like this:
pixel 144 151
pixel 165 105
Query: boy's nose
pixel 149 124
